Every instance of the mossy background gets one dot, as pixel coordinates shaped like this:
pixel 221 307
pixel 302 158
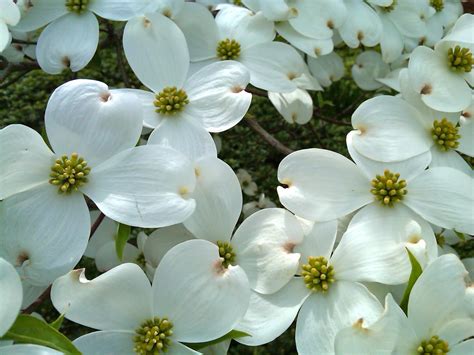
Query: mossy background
pixel 24 102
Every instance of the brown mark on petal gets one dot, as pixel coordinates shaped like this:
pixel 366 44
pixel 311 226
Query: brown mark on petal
pixel 414 238
pixel 317 51
pixel 286 183
pixel 330 24
pixel 294 116
pixel 422 41
pixel 289 247
pixel 360 35
pixel 219 266
pixel 167 13
pixel 359 324
pixel 22 257
pixel 292 75
pixel 236 89
pixel 146 22
pixel 66 61
pixel 466 114
pixel 426 89
pixel 105 96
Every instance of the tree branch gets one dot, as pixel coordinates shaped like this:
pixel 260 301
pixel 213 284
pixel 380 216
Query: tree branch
pixel 275 143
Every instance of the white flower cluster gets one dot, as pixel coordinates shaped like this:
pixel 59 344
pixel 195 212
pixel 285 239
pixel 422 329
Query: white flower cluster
pixel 360 255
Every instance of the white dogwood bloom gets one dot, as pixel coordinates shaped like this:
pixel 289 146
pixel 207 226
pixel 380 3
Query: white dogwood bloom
pixel 249 187
pixel 442 76
pixel 179 108
pixel 193 299
pixel 322 185
pixel 92 131
pixel 241 35
pixel 9 16
pixel 437 323
pixel 368 67
pixel 12 295
pixel 325 297
pixel 295 107
pixel 71 36
pixel 327 68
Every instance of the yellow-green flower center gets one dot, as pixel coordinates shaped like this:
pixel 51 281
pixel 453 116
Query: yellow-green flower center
pixel 445 135
pixel 153 336
pixel 434 345
pixel 317 274
pixel 69 173
pixel 388 188
pixel 140 260
pixel 460 59
pixel 77 6
pixel 170 100
pixel 228 49
pixel 438 5
pixel 390 7
pixel 237 2
pixel 226 252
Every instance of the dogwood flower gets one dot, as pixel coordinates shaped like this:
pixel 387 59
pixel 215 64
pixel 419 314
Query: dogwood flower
pixel 12 295
pixel 437 322
pixel 101 246
pixel 241 35
pixel 71 36
pixel 93 131
pixel 9 16
pixel 192 301
pixel 322 185
pixel 442 76
pixel 249 187
pixel 368 67
pixel 395 130
pixel 327 68
pixel 212 99
pixel 326 296
pixel 295 107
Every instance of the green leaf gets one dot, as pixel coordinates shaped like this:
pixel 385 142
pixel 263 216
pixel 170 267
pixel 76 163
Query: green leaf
pixel 233 334
pixel 122 237
pixel 416 271
pixel 56 324
pixel 460 235
pixel 30 330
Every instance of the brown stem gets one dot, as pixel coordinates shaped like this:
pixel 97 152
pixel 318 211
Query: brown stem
pixel 31 308
pixel 96 224
pixel 275 143
pixel 256 91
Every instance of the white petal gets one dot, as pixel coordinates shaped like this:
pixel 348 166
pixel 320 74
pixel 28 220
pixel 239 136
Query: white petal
pixel 264 245
pixel 84 117
pixel 317 18
pixel 106 342
pixel 146 186
pixel 441 89
pixel 156 50
pixel 169 8
pixel 466 130
pixel 295 107
pixel 322 185
pixel 374 245
pixel 107 258
pixel 390 129
pixel 268 316
pixel 162 240
pixel 363 27
pixel 408 169
pixel 10 12
pixel 379 338
pixel 25 160
pixel 69 42
pixel 457 330
pixel 311 46
pixel 105 233
pixel 118 10
pixel 217 95
pixel 449 159
pixel 120 299
pixel 200 30
pixel 54 238
pixel 327 68
pixel 12 294
pixel 180 349
pixel 184 136
pixel 151 118
pixel 244 26
pixel 463 348
pixel 31 293
pixel 322 316
pixel 368 67
pixel 441 287
pixel 318 240
pixel 195 294
pixel 407 19
pixel 40 14
pixel 460 34
pixel 272 65
pixel 28 349
pixel 5 36
pixel 218 199
pixel 391 42
pixel 445 197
